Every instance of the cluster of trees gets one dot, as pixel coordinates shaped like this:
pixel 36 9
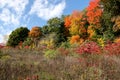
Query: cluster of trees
pixel 26 37
pixel 99 22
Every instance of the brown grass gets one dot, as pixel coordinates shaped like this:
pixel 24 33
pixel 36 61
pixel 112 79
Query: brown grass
pixel 16 64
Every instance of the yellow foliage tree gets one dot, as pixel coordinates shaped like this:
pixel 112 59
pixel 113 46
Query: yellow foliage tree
pixel 76 23
pixel 91 32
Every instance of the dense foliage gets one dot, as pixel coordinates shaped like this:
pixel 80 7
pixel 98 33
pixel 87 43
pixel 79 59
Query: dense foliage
pixel 18 35
pixel 99 22
pixel 35 32
pixel 56 26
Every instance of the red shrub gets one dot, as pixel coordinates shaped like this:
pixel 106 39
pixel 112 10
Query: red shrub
pixel 89 48
pixel 1 46
pixel 26 47
pixel 112 48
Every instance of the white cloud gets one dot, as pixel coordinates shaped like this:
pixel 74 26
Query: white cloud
pixel 4 15
pixel 11 11
pixel 47 9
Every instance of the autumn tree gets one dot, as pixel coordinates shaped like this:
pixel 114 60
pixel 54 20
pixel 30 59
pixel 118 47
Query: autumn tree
pixel 94 13
pixel 35 34
pixel 77 24
pixel 73 22
pixel 85 23
pixel 17 36
pixel 67 21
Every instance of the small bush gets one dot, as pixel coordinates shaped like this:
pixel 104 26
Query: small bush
pixel 50 53
pixel 89 48
pixel 112 48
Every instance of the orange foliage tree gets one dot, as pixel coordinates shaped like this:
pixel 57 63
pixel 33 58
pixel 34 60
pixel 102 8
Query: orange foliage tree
pixel 35 34
pixel 67 21
pixel 94 13
pixel 75 23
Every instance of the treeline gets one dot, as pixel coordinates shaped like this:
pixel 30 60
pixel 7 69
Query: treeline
pixel 52 34
pixel 99 22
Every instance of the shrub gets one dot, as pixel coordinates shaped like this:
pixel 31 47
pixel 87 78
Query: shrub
pixel 63 51
pixel 92 73
pixel 65 45
pixel 50 53
pixel 27 42
pixel 112 48
pixel 1 46
pixel 89 48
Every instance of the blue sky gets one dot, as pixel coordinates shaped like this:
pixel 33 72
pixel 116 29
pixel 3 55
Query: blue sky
pixel 29 13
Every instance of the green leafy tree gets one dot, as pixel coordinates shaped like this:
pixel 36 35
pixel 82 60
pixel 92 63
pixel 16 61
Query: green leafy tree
pixel 45 29
pixel 56 25
pixel 19 34
pixel 61 34
pixel 111 9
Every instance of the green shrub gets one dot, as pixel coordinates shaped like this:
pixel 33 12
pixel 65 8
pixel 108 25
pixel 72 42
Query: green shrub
pixel 46 76
pixel 27 42
pixel 65 45
pixel 50 53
